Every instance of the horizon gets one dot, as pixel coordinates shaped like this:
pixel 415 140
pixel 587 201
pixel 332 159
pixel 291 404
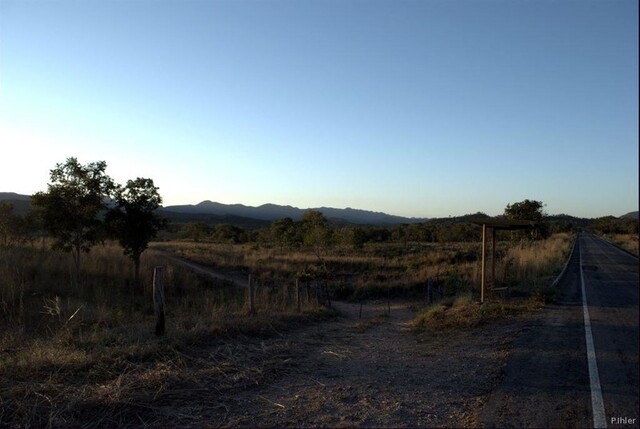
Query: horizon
pixel 423 109
pixel 165 206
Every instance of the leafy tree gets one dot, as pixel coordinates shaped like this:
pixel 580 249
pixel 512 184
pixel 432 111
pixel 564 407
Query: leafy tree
pixel 525 210
pixel 133 218
pixel 349 236
pixel 71 206
pixel 316 231
pixel 225 233
pixel 197 231
pixel 420 232
pixel 283 232
pixel 528 210
pixel 6 221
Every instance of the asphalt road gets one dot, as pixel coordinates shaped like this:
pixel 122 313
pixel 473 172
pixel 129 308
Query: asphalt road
pixel 611 285
pixel 556 375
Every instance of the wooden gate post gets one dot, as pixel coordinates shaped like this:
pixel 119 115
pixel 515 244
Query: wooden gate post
pixel 158 300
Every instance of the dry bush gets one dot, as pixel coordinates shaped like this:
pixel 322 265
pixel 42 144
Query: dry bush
pixel 628 242
pixel 464 312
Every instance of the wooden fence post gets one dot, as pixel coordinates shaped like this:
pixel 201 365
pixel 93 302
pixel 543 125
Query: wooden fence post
pixel 158 300
pixel 252 308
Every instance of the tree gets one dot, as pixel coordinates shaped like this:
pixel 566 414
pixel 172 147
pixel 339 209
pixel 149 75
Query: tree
pixel 71 206
pixel 225 233
pixel 133 219
pixel 525 210
pixel 316 232
pixel 528 210
pixel 283 232
pixel 6 222
pixel 197 231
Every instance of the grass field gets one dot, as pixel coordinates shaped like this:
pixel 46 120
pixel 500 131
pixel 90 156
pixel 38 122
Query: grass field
pixel 402 269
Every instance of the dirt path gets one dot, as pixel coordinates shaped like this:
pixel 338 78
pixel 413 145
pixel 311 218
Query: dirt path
pixel 363 370
pixel 376 372
pixel 237 279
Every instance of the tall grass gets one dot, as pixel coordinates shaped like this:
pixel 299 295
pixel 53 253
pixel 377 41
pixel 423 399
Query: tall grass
pixel 628 242
pixel 527 269
pixel 37 296
pixel 402 269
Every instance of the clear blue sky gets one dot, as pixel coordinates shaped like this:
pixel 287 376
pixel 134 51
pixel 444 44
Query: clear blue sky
pixel 421 108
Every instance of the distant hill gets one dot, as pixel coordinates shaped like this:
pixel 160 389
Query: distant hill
pixel 4 196
pixel 21 203
pixel 271 212
pixel 211 219
pixel 631 215
pixel 246 216
pixel 257 217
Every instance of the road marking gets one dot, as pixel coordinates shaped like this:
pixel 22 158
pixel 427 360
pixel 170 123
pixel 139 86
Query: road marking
pixel 597 404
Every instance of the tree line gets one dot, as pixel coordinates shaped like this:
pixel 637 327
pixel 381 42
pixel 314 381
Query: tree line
pixel 285 233
pixel 315 231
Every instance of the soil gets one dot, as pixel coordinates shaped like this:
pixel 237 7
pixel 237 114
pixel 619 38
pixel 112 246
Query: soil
pixel 375 371
pixel 362 368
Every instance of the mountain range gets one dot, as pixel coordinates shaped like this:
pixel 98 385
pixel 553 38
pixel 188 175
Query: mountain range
pixel 271 212
pixel 256 217
pixel 241 215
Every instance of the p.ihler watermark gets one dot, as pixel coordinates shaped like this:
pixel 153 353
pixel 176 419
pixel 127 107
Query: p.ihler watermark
pixel 623 421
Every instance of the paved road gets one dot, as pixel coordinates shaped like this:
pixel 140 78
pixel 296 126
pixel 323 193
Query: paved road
pixel 611 285
pixel 548 381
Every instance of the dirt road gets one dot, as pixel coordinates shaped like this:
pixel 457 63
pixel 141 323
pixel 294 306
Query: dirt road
pixel 365 369
pixel 376 372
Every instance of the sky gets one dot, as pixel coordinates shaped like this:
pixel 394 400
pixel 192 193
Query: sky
pixel 426 108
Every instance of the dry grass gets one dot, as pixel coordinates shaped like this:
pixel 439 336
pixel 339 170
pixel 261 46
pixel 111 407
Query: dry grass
pixel 147 383
pixel 628 242
pixel 357 273
pixel 373 270
pixel 463 312
pixel 88 356
pixel 528 270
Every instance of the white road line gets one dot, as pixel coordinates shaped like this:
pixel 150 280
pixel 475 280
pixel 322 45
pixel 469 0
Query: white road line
pixel 597 404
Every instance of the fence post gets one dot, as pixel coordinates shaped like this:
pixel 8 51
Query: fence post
pixel 252 308
pixel 298 297
pixel 158 300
